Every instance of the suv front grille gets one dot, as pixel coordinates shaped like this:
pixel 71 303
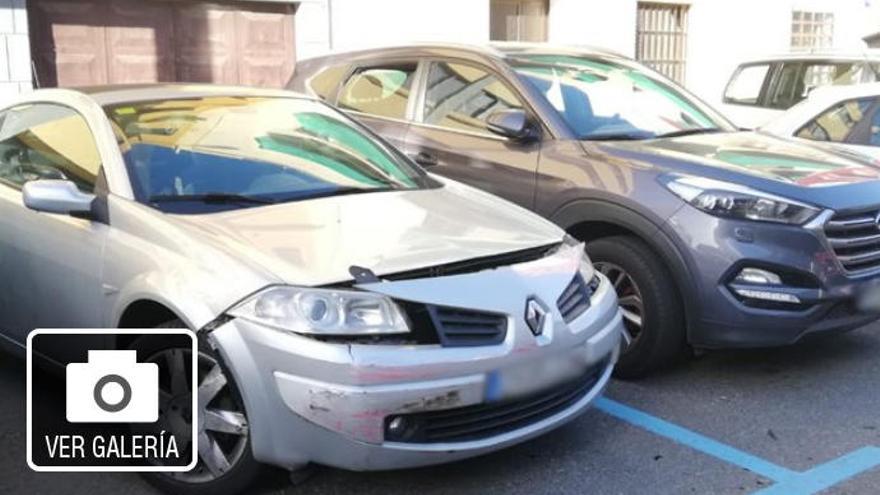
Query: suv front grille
pixel 487 420
pixel 855 239
pixel 457 327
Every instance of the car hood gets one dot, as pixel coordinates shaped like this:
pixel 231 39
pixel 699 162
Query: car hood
pixel 317 241
pixel 813 173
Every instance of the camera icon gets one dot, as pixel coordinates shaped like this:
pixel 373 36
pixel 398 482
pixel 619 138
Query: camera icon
pixel 112 387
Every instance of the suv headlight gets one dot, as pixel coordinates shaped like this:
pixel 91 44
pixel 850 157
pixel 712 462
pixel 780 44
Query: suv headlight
pixel 323 311
pixel 725 199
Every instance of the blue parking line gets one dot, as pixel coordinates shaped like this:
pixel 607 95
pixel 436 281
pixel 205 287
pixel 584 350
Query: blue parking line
pixel 787 481
pixel 827 475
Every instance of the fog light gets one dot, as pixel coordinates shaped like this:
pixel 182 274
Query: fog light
pixel 766 295
pixel 758 276
pixel 397 425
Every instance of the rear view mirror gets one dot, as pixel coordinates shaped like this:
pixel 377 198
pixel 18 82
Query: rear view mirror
pixel 56 196
pixel 513 124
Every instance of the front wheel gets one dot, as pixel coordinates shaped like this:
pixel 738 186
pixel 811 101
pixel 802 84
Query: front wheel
pixel 654 327
pixel 225 463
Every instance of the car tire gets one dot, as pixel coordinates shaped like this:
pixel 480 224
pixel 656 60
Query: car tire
pixel 661 338
pixel 243 473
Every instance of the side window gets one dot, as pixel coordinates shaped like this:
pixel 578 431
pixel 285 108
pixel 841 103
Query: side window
pixel 745 86
pixel 462 97
pixel 45 141
pixel 836 123
pixel 324 83
pixel 788 88
pixel 379 90
pixel 874 131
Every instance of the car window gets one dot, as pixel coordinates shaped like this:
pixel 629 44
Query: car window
pixel 45 141
pixel 874 131
pixel 324 83
pixel 836 123
pixel 745 86
pixel 788 88
pixel 379 90
pixel 460 96
pixel 199 155
pixel 819 74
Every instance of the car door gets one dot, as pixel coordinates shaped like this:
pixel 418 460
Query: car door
pixel 378 95
pixel 450 136
pixel 51 267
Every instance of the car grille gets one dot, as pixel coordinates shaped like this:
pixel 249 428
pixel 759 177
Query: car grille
pixel 855 239
pixel 458 327
pixel 575 299
pixel 487 420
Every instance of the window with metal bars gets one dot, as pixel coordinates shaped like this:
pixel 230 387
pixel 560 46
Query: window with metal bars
pixel 661 38
pixel 811 30
pixel 518 20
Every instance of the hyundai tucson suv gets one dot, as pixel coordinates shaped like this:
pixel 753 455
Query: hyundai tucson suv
pixel 712 237
pixel 349 304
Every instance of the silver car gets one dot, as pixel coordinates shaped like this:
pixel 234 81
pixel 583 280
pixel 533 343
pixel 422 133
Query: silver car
pixel 353 310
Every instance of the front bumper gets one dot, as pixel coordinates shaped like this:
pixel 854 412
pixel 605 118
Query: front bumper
pixel 717 249
pixel 327 403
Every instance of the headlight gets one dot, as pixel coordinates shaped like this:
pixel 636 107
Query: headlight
pixel 725 199
pixel 586 268
pixel 323 311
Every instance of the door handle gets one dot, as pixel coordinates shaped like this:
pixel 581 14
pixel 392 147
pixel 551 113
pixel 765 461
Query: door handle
pixel 426 159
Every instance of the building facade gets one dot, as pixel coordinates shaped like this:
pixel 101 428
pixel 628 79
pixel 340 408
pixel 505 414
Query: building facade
pixel 256 42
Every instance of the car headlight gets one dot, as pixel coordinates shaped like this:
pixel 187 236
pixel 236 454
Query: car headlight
pixel 323 311
pixel 725 199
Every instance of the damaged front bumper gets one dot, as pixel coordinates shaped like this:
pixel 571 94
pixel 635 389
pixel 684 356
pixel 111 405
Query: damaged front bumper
pixel 379 406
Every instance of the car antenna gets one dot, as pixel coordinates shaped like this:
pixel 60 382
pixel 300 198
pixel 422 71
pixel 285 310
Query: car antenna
pixel 363 275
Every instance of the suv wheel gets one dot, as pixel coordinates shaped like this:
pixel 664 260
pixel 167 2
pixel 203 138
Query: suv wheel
pixel 653 318
pixel 225 462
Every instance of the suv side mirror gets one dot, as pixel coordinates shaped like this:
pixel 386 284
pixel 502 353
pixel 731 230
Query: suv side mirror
pixel 513 124
pixel 56 196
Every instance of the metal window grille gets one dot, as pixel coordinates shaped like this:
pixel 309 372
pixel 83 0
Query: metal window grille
pixel 661 38
pixel 811 30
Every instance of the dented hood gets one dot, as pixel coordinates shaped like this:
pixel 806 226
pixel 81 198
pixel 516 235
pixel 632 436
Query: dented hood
pixel 317 241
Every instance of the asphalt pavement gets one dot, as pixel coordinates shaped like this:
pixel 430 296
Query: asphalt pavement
pixel 801 419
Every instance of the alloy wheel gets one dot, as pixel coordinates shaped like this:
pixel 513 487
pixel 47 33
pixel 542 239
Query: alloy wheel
pixel 629 297
pixel 222 425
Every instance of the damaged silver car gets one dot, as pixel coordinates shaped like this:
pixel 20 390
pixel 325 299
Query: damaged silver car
pixel 353 310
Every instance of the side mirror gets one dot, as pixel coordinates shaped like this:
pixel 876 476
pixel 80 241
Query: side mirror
pixel 513 124
pixel 56 196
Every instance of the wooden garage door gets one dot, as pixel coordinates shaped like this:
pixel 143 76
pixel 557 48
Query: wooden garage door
pixel 88 42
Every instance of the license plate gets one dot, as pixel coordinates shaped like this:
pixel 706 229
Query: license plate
pixel 868 300
pixel 533 376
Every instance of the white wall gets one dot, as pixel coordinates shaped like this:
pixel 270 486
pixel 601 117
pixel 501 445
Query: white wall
pixel 602 23
pixel 15 53
pixel 357 24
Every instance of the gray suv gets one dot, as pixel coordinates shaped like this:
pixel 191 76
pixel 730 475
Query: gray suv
pixel 713 237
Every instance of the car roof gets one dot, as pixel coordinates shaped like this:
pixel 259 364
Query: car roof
pixel 868 54
pixel 493 50
pixel 126 93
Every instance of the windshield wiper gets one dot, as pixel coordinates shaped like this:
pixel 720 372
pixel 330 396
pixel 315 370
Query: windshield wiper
pixel 618 136
pixel 211 198
pixel 689 132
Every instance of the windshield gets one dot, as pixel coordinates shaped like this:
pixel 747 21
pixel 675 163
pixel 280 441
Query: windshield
pixel 605 99
pixel 221 152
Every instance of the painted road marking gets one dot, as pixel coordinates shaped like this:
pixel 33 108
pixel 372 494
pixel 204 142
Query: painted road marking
pixel 787 481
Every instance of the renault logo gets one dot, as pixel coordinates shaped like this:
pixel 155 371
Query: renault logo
pixel 536 315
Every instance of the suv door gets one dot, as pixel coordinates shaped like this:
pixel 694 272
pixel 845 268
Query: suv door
pixel 451 138
pixel 51 263
pixel 378 95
